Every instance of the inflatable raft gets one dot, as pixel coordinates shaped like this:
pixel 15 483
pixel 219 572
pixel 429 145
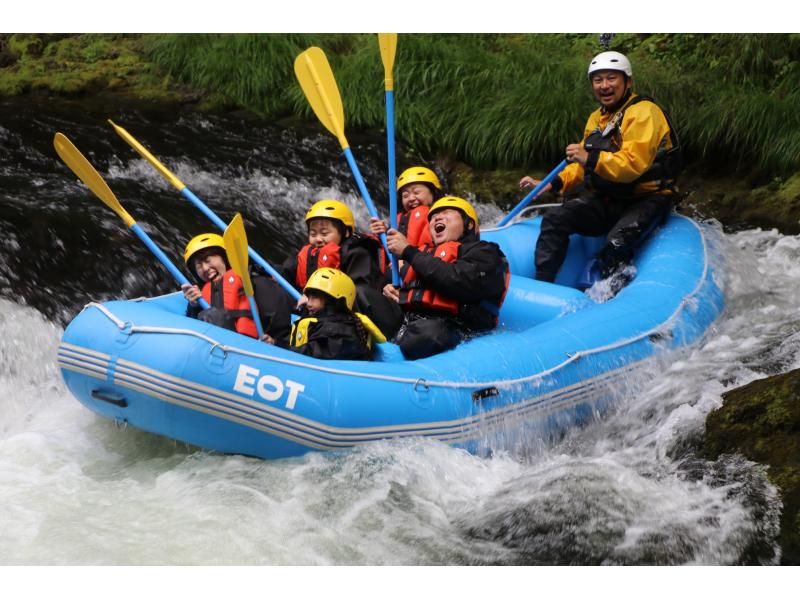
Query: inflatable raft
pixel 556 356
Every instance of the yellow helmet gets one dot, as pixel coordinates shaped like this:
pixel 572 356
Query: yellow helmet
pixel 335 283
pixel 202 242
pixel 418 174
pixel 456 203
pixel 333 209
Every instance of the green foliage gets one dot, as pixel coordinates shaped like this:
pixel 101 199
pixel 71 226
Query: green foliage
pixel 493 100
pixel 517 100
pixel 77 63
pixel 248 70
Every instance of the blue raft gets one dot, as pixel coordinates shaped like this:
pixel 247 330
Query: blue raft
pixel 555 357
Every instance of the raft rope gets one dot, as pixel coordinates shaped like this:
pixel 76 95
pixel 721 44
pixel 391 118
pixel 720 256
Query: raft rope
pixel 504 382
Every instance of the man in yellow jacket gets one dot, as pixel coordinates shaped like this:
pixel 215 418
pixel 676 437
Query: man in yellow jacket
pixel 620 180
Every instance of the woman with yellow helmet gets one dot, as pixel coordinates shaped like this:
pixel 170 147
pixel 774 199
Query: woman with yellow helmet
pixel 453 288
pixel 333 242
pixel 223 290
pixel 418 187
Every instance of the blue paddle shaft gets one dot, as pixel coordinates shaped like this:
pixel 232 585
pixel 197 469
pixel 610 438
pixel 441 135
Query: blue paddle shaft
pixel 392 176
pixel 176 274
pixel 197 202
pixel 256 318
pixel 532 195
pixel 367 199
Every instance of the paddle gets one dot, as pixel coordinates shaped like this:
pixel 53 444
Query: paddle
pixel 316 79
pixel 388 45
pixel 236 247
pixel 530 196
pixel 187 193
pixel 87 173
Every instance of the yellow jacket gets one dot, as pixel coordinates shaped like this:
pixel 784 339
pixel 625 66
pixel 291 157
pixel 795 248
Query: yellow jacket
pixel 644 130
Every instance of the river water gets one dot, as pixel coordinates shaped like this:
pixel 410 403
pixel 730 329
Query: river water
pixel 627 488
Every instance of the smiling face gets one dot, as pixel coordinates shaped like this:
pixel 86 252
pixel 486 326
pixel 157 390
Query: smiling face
pixel 609 87
pixel 209 265
pixel 322 231
pixel 414 195
pixel 447 224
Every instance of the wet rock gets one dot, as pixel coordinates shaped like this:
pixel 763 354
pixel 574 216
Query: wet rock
pixel 762 422
pixel 739 204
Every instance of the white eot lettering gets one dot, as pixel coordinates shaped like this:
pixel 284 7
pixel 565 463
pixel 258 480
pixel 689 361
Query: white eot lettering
pixel 270 388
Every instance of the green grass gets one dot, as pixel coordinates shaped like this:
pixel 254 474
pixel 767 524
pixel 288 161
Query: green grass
pixel 494 101
pixel 506 101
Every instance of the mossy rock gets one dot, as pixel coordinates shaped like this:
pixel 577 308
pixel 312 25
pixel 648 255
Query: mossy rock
pixel 81 65
pixel 26 44
pixel 738 204
pixel 762 422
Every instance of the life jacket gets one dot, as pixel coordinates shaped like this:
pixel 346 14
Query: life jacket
pixel 331 255
pixel 228 298
pixel 309 258
pixel 414 225
pixel 666 167
pixel 481 315
pixel 415 297
pixel 300 333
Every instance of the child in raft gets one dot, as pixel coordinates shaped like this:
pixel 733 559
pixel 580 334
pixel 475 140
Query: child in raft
pixel 418 187
pixel 333 242
pixel 328 327
pixel 222 289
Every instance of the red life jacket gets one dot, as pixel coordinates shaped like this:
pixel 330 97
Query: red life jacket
pixel 332 255
pixel 234 301
pixel 310 258
pixel 414 225
pixel 416 297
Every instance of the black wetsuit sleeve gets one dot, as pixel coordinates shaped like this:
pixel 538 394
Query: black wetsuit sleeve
pixel 288 269
pixel 361 268
pixel 193 310
pixel 274 308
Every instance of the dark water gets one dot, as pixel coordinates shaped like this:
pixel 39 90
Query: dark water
pixel 60 245
pixel 626 489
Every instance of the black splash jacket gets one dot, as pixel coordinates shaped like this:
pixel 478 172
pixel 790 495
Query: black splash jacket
pixel 476 280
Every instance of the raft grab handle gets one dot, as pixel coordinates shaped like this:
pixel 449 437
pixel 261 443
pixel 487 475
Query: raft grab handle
pixel 109 397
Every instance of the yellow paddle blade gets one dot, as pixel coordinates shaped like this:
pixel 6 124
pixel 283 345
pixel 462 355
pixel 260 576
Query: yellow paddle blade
pixel 316 79
pixel 388 45
pixel 86 172
pixel 236 247
pixel 163 171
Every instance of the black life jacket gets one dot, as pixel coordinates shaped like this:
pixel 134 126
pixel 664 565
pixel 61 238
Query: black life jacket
pixel 330 335
pixel 666 167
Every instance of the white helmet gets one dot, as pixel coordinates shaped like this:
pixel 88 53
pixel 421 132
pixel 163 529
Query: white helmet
pixel 610 61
